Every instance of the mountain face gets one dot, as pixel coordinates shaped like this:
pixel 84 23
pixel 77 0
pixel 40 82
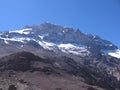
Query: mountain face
pixel 65 51
pixel 58 39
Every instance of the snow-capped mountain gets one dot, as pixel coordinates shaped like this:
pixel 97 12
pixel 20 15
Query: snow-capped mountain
pixel 58 44
pixel 58 39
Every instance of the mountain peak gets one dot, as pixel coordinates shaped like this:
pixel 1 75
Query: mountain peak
pixel 49 24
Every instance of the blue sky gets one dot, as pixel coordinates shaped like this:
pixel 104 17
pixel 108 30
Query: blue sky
pixel 101 17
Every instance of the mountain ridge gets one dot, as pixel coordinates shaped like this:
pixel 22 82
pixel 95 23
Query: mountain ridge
pixel 54 35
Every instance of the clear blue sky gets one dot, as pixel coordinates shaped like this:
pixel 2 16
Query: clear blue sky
pixel 101 17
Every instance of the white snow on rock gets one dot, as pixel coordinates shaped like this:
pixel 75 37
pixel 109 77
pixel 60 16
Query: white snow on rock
pixel 6 42
pixel 15 39
pixel 23 31
pixel 113 53
pixel 68 48
pixel 47 45
pixel 42 36
pixel 76 50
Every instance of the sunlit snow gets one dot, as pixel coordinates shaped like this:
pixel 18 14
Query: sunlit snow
pixel 115 54
pixel 15 39
pixel 23 31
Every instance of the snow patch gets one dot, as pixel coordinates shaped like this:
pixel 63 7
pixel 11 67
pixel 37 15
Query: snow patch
pixel 110 45
pixel 113 53
pixel 42 36
pixel 15 39
pixel 6 42
pixel 23 31
pixel 94 36
pixel 47 45
pixel 76 50
pixel 67 46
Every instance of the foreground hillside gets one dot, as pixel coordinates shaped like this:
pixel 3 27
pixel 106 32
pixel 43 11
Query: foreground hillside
pixel 26 71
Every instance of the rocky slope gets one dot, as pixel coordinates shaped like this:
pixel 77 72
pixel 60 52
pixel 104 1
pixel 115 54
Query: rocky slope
pixel 26 71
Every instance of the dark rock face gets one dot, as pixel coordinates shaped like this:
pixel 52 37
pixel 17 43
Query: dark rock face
pixel 33 43
pixel 12 87
pixel 18 62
